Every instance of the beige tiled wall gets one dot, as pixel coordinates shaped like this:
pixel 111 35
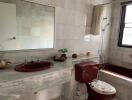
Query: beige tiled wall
pixel 118 55
pixel 71 19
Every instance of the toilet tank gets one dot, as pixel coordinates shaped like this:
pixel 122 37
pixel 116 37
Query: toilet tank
pixel 85 72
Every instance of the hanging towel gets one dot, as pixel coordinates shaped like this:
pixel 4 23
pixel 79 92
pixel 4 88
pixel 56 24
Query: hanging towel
pixel 97 19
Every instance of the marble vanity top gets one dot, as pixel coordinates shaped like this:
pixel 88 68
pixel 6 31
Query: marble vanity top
pixel 13 82
pixel 10 74
pixel 8 97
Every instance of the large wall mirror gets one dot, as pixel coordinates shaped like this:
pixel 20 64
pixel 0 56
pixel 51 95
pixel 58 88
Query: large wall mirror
pixel 26 25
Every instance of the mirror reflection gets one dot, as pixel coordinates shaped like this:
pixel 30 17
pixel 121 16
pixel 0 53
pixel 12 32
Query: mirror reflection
pixel 25 25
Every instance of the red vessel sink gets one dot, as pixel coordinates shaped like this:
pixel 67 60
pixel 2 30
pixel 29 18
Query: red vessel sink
pixel 33 66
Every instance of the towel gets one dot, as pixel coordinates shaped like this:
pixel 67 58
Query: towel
pixel 97 19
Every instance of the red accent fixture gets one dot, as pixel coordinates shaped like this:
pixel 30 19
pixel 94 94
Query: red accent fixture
pixel 87 71
pixel 96 96
pixel 118 70
pixel 33 66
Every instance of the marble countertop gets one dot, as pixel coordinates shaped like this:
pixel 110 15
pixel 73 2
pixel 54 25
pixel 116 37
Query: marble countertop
pixel 8 97
pixel 10 74
pixel 85 58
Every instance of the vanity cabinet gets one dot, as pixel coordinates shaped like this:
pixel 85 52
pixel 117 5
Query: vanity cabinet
pixel 28 87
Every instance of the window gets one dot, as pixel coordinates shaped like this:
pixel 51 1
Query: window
pixel 125 34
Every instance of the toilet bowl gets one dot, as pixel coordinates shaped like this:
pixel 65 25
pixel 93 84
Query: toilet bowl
pixel 100 89
pixel 86 72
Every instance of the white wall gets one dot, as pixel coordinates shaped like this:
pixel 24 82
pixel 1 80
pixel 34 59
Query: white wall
pixel 118 55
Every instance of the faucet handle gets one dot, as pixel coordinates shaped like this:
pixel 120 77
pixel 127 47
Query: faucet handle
pixel 25 60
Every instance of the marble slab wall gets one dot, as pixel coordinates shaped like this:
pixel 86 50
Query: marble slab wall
pixel 71 19
pixel 118 55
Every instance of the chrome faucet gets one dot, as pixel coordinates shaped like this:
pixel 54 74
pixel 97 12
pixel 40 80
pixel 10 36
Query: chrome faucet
pixel 25 60
pixel 33 59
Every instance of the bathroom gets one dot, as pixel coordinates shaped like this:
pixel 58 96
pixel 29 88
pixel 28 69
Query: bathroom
pixel 73 28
